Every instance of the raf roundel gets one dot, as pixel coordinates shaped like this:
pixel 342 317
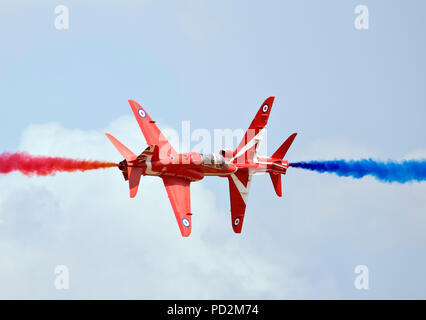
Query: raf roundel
pixel 141 113
pixel 185 222
pixel 236 221
pixel 265 108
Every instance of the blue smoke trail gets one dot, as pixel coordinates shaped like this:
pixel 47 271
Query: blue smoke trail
pixel 390 171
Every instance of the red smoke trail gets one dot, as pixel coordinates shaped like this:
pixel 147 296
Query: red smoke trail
pixel 43 166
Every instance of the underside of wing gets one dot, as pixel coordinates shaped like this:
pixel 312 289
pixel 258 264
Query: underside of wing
pixel 178 191
pixel 151 132
pixel 239 185
pixel 248 147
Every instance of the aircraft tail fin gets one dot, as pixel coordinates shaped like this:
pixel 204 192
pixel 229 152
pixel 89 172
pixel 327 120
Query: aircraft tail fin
pixel 282 150
pixel 134 179
pixel 279 155
pixel 276 181
pixel 133 173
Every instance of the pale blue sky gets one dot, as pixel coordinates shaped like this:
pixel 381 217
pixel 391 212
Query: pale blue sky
pixel 347 92
pixel 221 59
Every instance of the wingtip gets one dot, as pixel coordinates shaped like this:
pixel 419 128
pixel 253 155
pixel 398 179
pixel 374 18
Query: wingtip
pixel 133 102
pixel 238 228
pixel 110 137
pixel 270 99
pixel 133 191
pixel 186 233
pixel 266 106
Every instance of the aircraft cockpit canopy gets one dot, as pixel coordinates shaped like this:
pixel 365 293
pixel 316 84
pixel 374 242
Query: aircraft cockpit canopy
pixel 214 160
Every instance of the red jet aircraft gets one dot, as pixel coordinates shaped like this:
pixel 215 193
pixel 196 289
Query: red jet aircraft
pixel 178 170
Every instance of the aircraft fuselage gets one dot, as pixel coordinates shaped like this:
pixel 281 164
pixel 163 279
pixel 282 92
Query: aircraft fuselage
pixel 195 166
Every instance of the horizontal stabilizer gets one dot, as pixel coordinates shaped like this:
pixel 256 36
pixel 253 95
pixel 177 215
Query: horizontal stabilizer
pixel 124 151
pixel 133 173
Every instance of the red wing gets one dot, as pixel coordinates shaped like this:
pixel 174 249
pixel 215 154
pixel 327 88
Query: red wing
pixel 239 185
pixel 152 134
pixel 247 148
pixel 180 198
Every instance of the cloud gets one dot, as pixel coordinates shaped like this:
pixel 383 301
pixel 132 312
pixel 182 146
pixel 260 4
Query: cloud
pixel 304 245
pixel 416 154
pixel 116 247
